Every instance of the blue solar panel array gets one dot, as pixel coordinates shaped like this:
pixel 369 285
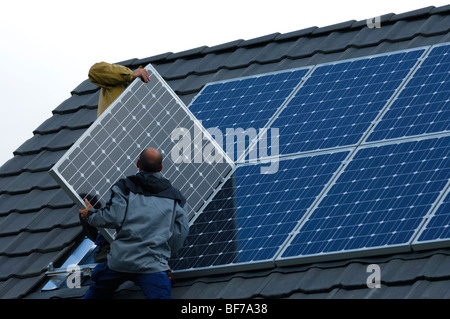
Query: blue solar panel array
pixel 423 106
pixel 338 102
pixel 364 148
pixel 378 201
pixel 253 214
pixel 246 103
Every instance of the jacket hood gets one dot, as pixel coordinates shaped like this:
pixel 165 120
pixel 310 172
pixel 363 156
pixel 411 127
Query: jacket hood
pixel 151 184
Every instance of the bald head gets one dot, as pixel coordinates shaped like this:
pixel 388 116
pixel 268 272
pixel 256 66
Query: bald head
pixel 150 160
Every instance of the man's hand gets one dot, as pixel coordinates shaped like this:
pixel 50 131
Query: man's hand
pixel 85 211
pixel 141 73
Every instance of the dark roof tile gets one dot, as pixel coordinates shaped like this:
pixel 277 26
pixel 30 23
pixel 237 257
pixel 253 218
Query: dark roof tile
pixel 277 287
pixel 85 87
pixel 187 53
pixel 276 51
pixel 441 10
pixel 180 68
pixel 43 161
pixel 335 27
pixel 24 202
pixel 306 47
pixel 223 47
pixel 438 266
pixel 63 139
pixel 75 102
pixel 383 20
pixel 211 62
pixel 18 287
pixel 242 288
pixel 127 63
pixel 43 242
pixel 434 25
pixel 259 40
pixel 13 223
pixel 55 217
pixel 34 201
pixel 190 84
pixel 425 289
pixel 41 220
pixel 15 165
pixel 240 58
pixel 82 118
pixel 414 14
pixel 295 34
pixel 25 266
pixel 9 202
pixel 153 59
pixel 26 182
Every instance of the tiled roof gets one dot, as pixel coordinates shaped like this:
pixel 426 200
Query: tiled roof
pixel 417 275
pixel 39 222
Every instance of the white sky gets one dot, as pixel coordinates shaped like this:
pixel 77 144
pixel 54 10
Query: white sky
pixel 48 46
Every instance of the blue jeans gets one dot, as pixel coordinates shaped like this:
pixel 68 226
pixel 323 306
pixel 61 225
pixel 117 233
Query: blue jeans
pixel 106 281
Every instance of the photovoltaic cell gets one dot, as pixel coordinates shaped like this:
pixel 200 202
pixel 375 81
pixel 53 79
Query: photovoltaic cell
pixel 423 106
pixel 378 201
pixel 144 115
pixel 252 215
pixel 246 103
pixel 338 102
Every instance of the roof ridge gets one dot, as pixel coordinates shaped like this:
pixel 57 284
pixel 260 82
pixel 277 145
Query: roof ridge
pixel 314 30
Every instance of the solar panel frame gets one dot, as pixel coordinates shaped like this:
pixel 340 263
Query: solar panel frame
pixel 371 251
pixel 159 96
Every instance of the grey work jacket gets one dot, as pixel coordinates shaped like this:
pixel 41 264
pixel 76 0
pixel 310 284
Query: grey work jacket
pixel 150 230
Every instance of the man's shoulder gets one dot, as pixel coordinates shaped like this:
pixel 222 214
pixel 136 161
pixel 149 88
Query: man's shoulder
pixel 123 185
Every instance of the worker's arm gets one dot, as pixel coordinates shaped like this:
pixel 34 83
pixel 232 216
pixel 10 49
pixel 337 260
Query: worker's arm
pixel 180 229
pixel 108 75
pixel 112 215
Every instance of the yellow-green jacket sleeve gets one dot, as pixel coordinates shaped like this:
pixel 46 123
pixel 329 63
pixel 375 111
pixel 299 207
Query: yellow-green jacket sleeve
pixel 108 75
pixel 112 79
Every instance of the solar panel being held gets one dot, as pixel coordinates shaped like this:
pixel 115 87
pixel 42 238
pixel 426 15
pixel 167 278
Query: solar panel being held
pixel 144 115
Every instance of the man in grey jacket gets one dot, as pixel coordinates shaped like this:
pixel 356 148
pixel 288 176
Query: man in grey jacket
pixel 150 218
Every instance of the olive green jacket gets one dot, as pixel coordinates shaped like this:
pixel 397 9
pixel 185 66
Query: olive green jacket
pixel 113 79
